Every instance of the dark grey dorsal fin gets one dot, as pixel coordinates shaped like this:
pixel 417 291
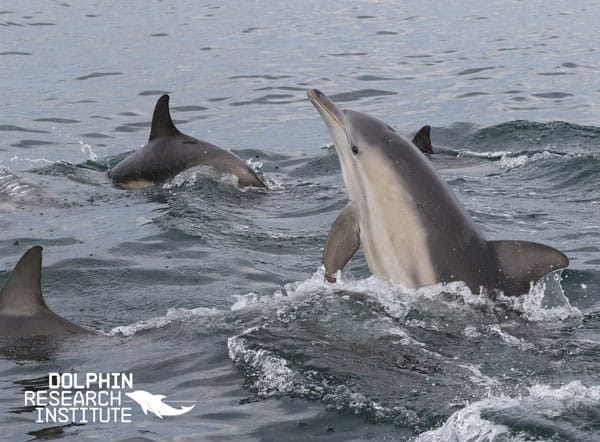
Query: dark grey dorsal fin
pixel 422 139
pixel 22 293
pixel 522 262
pixel 162 125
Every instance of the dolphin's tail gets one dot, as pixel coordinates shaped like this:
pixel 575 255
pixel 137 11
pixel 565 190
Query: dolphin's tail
pixel 187 409
pixel 167 410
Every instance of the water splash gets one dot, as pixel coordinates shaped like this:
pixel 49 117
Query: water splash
pixel 273 376
pixel 172 315
pixel 87 149
pixel 190 177
pixel 544 413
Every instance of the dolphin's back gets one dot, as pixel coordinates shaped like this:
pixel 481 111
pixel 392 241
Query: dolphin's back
pixel 23 311
pixel 164 158
pixel 41 324
pixel 169 152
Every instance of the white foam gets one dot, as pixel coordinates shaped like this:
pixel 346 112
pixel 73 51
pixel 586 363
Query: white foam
pixel 256 165
pixel 172 315
pixel 190 177
pixel 507 338
pixel 405 338
pixel 509 160
pixel 292 292
pixel 467 424
pixel 12 185
pixel 478 378
pixel 141 221
pixel 87 148
pixel 273 376
pixel 554 401
pixel 471 332
pixel 342 398
pixel 545 302
pixel 494 155
pixel 15 158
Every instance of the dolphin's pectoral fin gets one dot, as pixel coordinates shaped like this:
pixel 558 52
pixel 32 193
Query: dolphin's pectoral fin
pixel 342 242
pixel 523 262
pixel 422 139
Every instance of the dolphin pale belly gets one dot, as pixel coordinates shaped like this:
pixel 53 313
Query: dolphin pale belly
pixel 169 152
pixel 413 229
pixel 23 311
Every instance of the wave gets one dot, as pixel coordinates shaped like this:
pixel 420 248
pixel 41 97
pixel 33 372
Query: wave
pixel 273 376
pixel 340 343
pixel 544 413
pixel 520 135
pixel 550 150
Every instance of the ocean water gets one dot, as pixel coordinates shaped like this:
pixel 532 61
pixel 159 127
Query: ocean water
pixel 214 295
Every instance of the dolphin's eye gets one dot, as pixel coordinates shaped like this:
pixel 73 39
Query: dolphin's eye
pixel 354 150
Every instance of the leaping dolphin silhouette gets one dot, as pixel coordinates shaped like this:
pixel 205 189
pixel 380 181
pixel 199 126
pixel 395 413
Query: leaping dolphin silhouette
pixel 154 403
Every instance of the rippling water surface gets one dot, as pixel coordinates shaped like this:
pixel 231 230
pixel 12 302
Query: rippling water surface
pixel 209 293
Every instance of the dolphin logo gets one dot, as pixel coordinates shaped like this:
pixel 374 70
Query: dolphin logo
pixel 154 403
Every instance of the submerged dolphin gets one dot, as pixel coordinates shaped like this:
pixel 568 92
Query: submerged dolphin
pixel 154 404
pixel 413 229
pixel 169 152
pixel 23 311
pixel 19 193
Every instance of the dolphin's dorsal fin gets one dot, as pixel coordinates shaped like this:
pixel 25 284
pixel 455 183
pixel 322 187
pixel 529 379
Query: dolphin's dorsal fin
pixel 522 262
pixel 162 124
pixel 22 293
pixel 422 139
pixel 342 241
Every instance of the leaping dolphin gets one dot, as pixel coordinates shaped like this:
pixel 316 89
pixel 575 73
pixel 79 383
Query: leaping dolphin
pixel 23 311
pixel 413 229
pixel 169 152
pixel 154 403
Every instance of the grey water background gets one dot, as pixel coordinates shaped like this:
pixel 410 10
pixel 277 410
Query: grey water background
pixel 213 294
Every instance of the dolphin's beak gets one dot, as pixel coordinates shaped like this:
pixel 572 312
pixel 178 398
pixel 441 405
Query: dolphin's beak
pixel 327 108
